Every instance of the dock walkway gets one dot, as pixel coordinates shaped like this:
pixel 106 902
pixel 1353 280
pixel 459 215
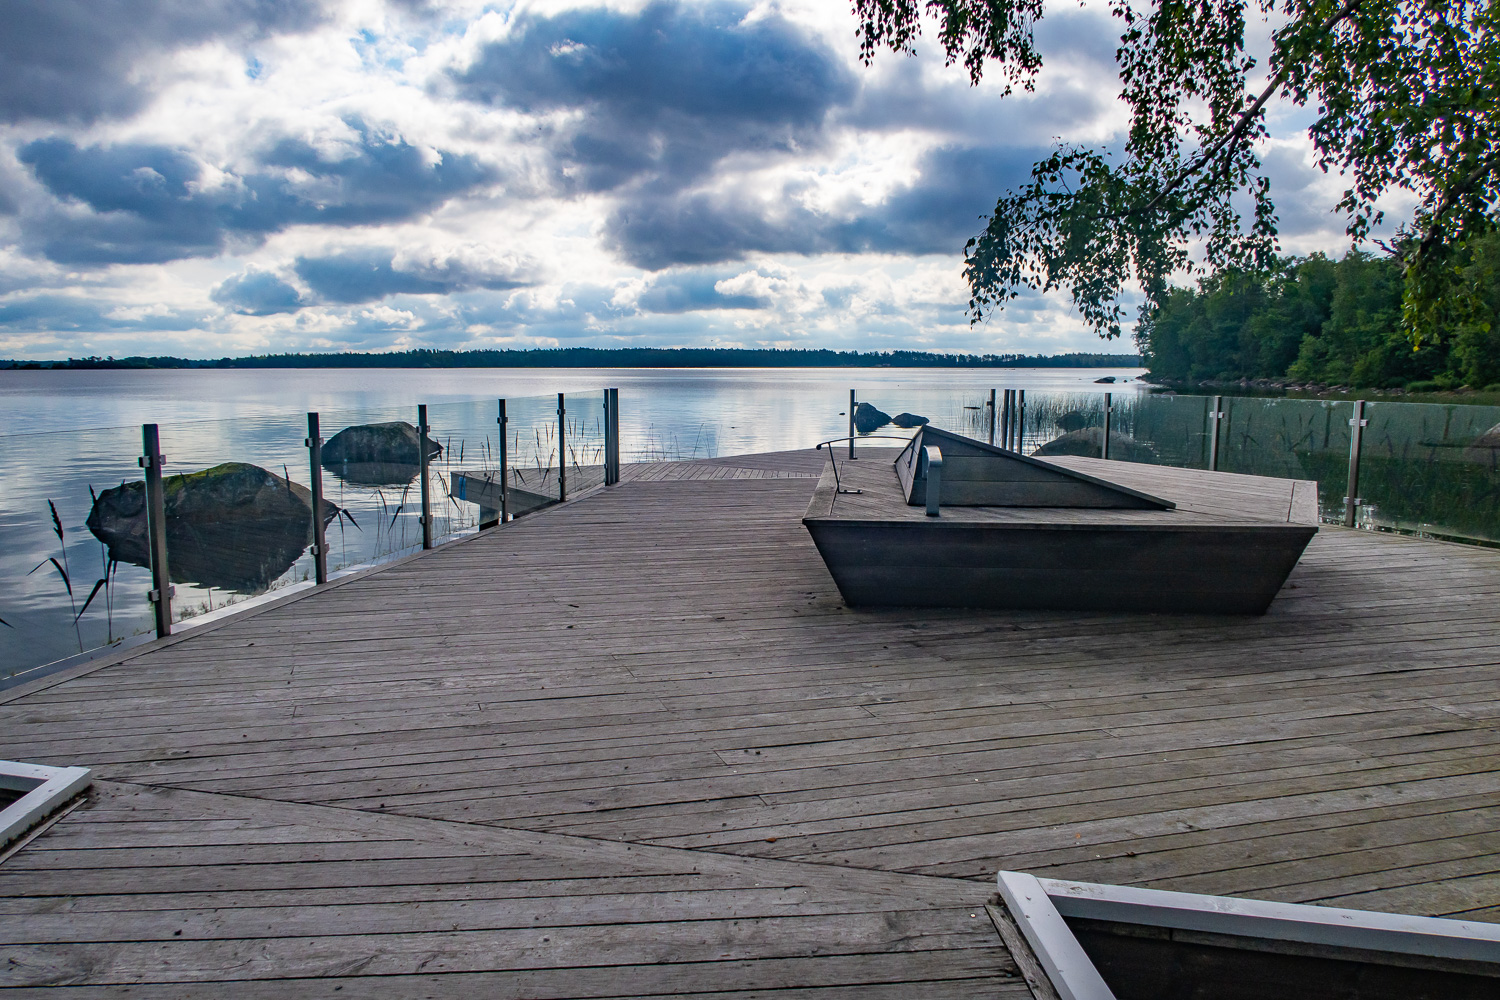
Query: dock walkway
pixel 634 745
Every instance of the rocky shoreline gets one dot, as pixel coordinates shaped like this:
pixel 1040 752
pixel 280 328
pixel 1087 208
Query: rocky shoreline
pixel 1251 386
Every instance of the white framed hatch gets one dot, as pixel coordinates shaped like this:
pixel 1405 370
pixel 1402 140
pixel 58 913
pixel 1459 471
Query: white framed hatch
pixel 30 793
pixel 1111 942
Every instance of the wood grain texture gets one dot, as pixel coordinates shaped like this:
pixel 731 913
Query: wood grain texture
pixel 637 745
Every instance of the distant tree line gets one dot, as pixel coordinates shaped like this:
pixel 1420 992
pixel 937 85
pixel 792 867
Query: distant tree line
pixel 1333 322
pixel 592 357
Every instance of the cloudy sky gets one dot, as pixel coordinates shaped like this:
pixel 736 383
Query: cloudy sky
pixel 223 177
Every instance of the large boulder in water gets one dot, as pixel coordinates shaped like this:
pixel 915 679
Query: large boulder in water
pixel 233 527
pixel 909 420
pixel 867 419
pixel 376 454
pixel 1485 449
pixel 1071 421
pixel 1086 443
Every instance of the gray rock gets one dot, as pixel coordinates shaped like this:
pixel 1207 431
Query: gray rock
pixel 395 443
pixel 1485 449
pixel 867 419
pixel 909 420
pixel 1071 421
pixel 233 527
pixel 1086 443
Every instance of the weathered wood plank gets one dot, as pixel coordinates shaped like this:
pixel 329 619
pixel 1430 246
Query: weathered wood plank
pixel 649 708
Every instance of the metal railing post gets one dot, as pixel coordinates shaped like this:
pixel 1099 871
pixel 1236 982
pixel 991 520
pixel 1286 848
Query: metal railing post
pixel 1108 407
pixel 933 459
pixel 503 421
pixel 1005 419
pixel 156 529
pixel 1357 425
pixel 562 449
pixel 314 445
pixel 1020 420
pixel 852 404
pixel 1217 416
pixel 426 497
pixel 992 416
pixel 611 436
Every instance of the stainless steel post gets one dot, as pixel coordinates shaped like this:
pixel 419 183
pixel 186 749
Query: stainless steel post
pixel 156 529
pixel 614 433
pixel 423 463
pixel 607 480
pixel 1005 420
pixel 1021 421
pixel 611 441
pixel 562 449
pixel 1216 415
pixel 1104 446
pixel 503 421
pixel 315 465
pixel 851 423
pixel 992 416
pixel 1356 439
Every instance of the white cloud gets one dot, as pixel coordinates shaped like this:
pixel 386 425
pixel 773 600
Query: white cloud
pixel 839 223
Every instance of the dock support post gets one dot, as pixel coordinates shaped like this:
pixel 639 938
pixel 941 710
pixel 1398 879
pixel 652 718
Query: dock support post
pixel 1104 447
pixel 852 404
pixel 562 449
pixel 156 529
pixel 1356 439
pixel 992 416
pixel 1020 421
pixel 1216 421
pixel 504 422
pixel 424 463
pixel 315 466
pixel 1005 419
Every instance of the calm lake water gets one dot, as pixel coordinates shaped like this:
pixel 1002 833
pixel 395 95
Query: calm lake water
pixel 67 436
pixel 69 400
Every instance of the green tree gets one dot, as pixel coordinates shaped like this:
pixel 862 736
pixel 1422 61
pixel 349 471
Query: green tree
pixel 1405 94
pixel 1317 320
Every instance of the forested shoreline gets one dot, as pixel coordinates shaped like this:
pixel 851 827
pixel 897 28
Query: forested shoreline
pixel 593 357
pixel 1325 322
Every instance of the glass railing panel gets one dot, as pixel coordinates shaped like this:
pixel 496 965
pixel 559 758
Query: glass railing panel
pixel 1060 423
pixel 583 441
pixel 1161 429
pixel 714 419
pixel 372 475
pixel 238 506
pixel 533 452
pixel 1431 469
pixel 1290 439
pixel 95 592
pixel 463 442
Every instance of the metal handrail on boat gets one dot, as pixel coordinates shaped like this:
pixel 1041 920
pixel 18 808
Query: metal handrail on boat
pixel 839 486
pixel 866 437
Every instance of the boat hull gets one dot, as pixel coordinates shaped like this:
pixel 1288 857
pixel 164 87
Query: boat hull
pixel 1184 569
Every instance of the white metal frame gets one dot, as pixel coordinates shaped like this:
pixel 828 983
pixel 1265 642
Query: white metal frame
pixel 1039 907
pixel 46 789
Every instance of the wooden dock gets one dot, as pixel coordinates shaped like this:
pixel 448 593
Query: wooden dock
pixel 634 745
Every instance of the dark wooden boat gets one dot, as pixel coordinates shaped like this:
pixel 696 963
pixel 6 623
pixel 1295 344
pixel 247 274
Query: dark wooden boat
pixel 1012 531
